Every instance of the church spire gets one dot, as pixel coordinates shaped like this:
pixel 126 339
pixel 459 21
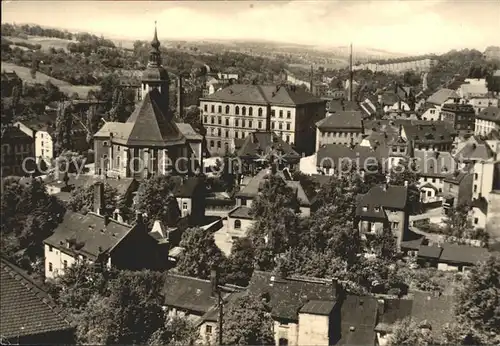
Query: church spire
pixel 154 54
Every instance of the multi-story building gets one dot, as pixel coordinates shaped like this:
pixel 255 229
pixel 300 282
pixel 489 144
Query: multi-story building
pixel 149 142
pixel 487 120
pixel 462 116
pixel 18 152
pixel 481 103
pixel 433 104
pixel 384 207
pixel 345 128
pixel 10 80
pixel 238 110
pixel 457 190
pixel 428 136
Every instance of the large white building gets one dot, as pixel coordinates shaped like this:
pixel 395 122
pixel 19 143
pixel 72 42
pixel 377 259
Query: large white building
pixel 487 120
pixel 238 110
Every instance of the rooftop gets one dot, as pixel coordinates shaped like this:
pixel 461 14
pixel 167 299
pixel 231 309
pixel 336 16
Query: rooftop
pixel 337 154
pixel 342 120
pixel 490 114
pixel 318 307
pixel 263 95
pixel 87 234
pixel 380 197
pixel 261 143
pixel 241 212
pixel 434 163
pixel 26 309
pixel 441 96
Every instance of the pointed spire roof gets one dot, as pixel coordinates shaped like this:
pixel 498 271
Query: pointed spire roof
pixel 155 43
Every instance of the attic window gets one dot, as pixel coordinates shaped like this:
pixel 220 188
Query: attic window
pixel 352 329
pixel 377 209
pixel 365 208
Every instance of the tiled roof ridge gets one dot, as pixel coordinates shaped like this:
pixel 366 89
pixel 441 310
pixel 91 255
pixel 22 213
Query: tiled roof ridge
pixel 110 219
pixel 301 278
pixel 180 276
pixel 26 281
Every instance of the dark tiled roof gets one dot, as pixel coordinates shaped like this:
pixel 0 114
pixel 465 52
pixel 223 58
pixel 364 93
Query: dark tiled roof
pixel 45 122
pixel 474 149
pixel 438 311
pixel 391 197
pixel 13 133
pixel 428 132
pixel 263 95
pixel 429 251
pixel 241 212
pixel 463 254
pixel 337 154
pixel 336 106
pixel 25 308
pixel 389 98
pixel 352 120
pixel 288 296
pixel 412 244
pixel 186 188
pixel 318 307
pixel 456 177
pixel 122 185
pixel 490 114
pixel 266 143
pixel 88 234
pixel 440 96
pixel 458 108
pixel 149 125
pixel 358 317
pixel 188 132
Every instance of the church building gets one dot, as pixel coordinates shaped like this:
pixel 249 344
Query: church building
pixel 150 141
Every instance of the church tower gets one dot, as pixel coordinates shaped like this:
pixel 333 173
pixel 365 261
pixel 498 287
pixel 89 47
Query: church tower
pixel 155 76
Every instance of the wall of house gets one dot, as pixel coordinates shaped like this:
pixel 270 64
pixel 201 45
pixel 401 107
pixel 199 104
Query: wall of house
pixel 345 137
pixel 431 114
pixel 14 154
pixel 478 218
pixel 241 232
pixel 481 103
pixel 184 206
pixel 44 146
pixel 314 329
pixel 288 331
pixel 57 258
pixel 305 211
pixel 484 127
pixel 493 215
pixel 447 267
pixel 483 179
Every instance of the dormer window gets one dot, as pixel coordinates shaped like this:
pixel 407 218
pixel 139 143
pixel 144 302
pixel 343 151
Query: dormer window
pixel 365 208
pixel 377 209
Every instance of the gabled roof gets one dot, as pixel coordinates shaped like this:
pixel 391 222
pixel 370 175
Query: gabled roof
pixel 318 307
pixel 474 149
pixel 88 235
pixel 463 254
pixel 340 105
pixel 351 120
pixel 428 132
pixel 188 132
pixel 25 308
pixel 430 251
pixel 241 212
pixel 263 95
pixel 391 197
pixel 186 188
pixel 437 311
pixel 440 96
pixel 288 295
pixel 265 142
pixel 358 316
pixel 490 114
pixel 393 310
pixel 13 133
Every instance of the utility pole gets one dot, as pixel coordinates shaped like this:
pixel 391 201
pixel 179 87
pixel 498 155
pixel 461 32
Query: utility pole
pixel 350 74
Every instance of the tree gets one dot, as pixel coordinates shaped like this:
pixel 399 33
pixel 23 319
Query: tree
pixel 64 128
pixel 407 332
pixel 28 216
pixel 16 97
pixel 477 303
pixel 200 255
pixel 155 198
pixel 247 321
pixel 192 117
pixel 384 244
pixel 82 199
pixel 177 331
pixel 340 192
pixel 405 173
pixel 240 264
pixel 118 110
pixel 307 183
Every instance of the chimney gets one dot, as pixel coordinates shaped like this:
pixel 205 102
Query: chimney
pixel 98 197
pixel 106 220
pixel 180 98
pixel 311 80
pixel 406 183
pixel 138 217
pixel 350 75
pixel 214 281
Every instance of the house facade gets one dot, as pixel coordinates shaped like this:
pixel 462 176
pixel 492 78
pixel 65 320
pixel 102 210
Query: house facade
pixel 462 116
pixel 487 121
pixel 18 152
pixel 237 110
pixel 345 128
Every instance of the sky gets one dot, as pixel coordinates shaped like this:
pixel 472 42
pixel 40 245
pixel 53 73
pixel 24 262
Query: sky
pixel 402 26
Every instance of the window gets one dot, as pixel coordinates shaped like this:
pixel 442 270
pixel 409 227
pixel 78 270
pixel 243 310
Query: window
pixel 250 111
pixel 365 208
pixel 227 109
pixel 272 125
pixel 212 131
pixel 377 209
pixel 476 176
pixel 184 205
pixel 288 126
pixel 237 224
pixel 243 110
pixel 250 123
pixel 211 144
pixel 236 122
pixel 237 110
pixel 220 109
pixel 212 120
pixel 219 120
pixel 476 221
pixel 227 133
pixel 281 113
pixel 208 329
pixel 395 225
pixel 50 248
pixel 65 264
pixel 433 180
pixel 50 267
pixel 42 143
pixel 219 132
pixel 227 121
pixel 429 193
pixel 280 126
pixel 205 107
pixel 243 123
pixel 260 124
pixel 288 114
pixel 260 112
pixel 212 108
pixel 273 113
pixel 205 119
pixel 475 188
pixel 235 134
pixel 243 202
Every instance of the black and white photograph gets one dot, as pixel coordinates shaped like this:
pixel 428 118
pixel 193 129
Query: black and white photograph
pixel 277 173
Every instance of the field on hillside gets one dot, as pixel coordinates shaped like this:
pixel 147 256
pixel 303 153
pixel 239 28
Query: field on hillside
pixel 45 42
pixel 25 75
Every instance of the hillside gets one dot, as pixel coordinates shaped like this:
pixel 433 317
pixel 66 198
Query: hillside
pixel 67 88
pixel 45 42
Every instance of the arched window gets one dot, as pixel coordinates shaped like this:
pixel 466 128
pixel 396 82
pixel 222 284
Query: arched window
pixel 118 161
pixel 237 110
pixel 227 109
pixel 211 144
pixel 236 122
pixel 219 132
pixel 212 131
pixel 237 224
pixel 220 109
pixel 227 134
pixel 260 111
pixel 243 110
pixel 250 111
